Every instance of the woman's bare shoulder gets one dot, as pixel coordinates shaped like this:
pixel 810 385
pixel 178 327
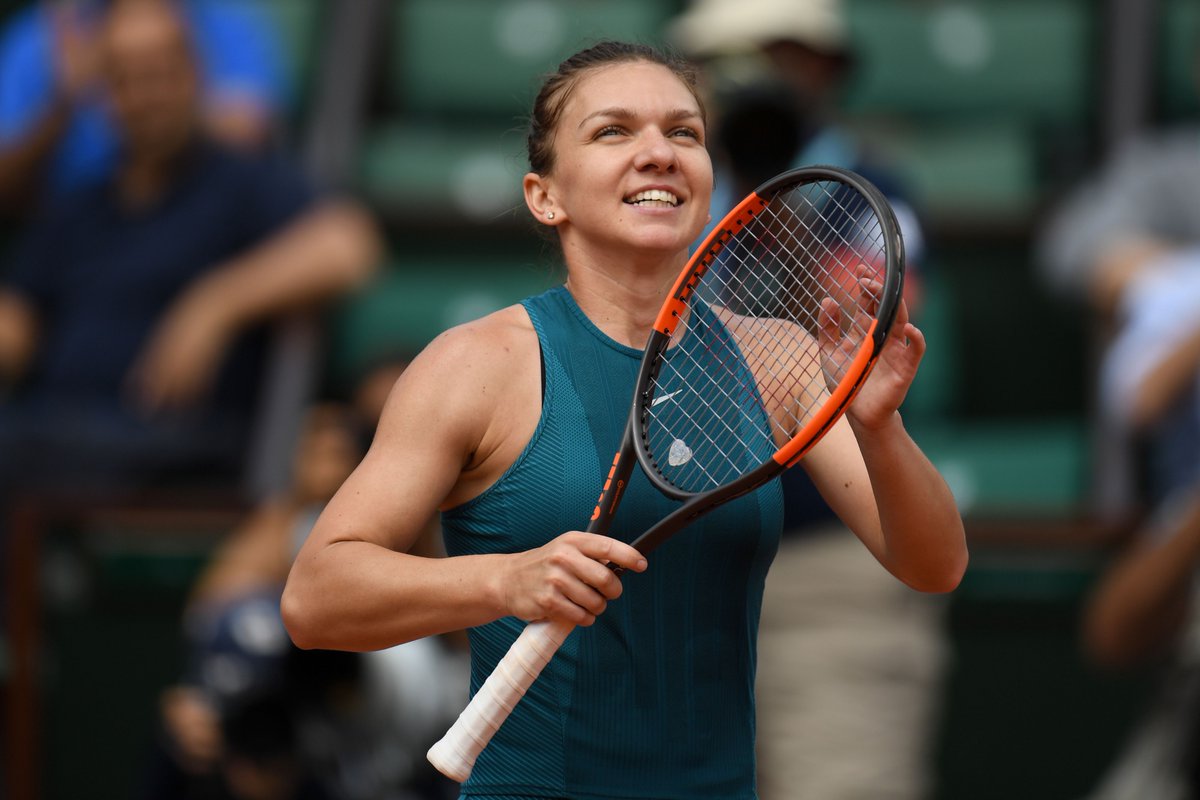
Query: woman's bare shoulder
pixel 469 401
pixel 467 374
pixel 487 345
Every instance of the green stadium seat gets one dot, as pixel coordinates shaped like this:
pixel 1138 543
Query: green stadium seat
pixel 486 56
pixel 433 172
pixel 969 173
pixel 1013 468
pixel 988 58
pixel 410 304
pixel 934 393
pixel 1179 59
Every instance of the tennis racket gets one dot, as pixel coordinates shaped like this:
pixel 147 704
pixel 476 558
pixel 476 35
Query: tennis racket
pixel 764 340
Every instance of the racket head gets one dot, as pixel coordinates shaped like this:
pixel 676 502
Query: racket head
pixel 768 333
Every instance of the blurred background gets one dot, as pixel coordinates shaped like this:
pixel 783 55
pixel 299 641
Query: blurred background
pixel 988 113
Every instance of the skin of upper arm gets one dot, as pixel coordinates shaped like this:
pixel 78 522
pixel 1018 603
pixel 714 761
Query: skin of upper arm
pixel 837 469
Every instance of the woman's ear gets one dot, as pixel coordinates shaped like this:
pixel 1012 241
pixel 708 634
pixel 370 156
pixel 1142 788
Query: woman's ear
pixel 540 200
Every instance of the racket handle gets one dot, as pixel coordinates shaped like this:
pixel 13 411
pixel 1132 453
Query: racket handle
pixel 455 753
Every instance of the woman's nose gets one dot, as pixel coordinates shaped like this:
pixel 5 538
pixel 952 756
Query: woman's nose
pixel 656 153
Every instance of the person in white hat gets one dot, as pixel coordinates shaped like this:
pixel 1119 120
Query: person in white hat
pixel 714 26
pixel 808 38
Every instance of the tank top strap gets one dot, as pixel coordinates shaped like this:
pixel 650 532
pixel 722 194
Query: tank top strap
pixel 563 328
pixel 547 312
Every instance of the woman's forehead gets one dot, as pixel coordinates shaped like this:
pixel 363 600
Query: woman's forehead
pixel 639 86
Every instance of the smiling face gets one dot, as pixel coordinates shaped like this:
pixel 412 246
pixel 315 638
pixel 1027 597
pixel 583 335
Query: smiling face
pixel 630 169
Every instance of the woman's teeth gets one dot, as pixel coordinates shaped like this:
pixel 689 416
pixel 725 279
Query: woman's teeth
pixel 655 198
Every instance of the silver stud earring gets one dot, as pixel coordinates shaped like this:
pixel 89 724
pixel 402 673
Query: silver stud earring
pixel 549 215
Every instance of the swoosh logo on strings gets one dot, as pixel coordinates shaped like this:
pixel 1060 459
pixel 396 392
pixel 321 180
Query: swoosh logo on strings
pixel 664 398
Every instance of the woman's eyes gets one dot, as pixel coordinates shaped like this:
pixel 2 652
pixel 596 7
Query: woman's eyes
pixel 616 130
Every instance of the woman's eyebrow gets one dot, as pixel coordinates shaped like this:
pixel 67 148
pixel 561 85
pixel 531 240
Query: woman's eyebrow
pixel 617 112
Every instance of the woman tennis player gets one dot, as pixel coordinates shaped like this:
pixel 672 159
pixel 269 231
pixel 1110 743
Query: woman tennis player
pixel 507 425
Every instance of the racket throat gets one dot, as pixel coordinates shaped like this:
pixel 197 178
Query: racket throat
pixel 612 492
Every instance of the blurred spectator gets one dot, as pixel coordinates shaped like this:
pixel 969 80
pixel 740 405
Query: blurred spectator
pixel 56 130
pixel 847 659
pixel 1143 608
pixel 133 319
pixel 1127 243
pixel 232 720
pixel 360 723
pixel 261 759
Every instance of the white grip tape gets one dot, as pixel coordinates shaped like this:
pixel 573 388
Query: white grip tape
pixel 455 753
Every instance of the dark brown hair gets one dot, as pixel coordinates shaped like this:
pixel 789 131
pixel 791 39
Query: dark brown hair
pixel 557 87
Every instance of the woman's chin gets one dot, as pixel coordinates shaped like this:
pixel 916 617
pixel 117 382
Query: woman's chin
pixel 665 238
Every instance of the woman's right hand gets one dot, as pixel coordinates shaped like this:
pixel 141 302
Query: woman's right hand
pixel 567 578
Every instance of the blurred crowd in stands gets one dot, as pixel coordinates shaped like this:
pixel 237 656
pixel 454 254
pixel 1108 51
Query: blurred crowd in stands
pixel 165 236
pixel 170 261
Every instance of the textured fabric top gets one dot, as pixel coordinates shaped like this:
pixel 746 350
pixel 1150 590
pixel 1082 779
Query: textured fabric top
pixel 656 700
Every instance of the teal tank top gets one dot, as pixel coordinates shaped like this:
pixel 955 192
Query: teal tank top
pixel 656 699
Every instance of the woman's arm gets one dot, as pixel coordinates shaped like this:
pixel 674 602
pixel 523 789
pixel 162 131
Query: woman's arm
pixel 882 486
pixel 354 586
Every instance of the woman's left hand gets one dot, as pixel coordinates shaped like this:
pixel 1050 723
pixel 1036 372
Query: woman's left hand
pixel 880 397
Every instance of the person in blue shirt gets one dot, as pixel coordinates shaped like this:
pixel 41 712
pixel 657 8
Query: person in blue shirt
pixel 56 128
pixel 133 313
pixel 507 426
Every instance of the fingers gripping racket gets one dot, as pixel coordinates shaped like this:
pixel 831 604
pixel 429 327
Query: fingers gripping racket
pixel 766 337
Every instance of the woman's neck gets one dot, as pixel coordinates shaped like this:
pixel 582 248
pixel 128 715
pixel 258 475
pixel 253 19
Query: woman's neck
pixel 622 296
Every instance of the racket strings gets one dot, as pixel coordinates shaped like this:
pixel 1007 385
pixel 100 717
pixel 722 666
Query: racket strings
pixel 697 412
pixel 768 334
pixel 817 248
pixel 845 259
pixel 810 298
